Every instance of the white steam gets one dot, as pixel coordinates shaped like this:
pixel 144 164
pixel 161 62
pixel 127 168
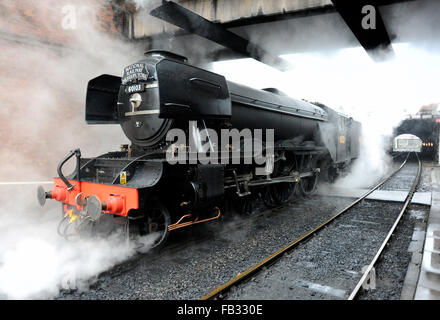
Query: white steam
pixel 37 263
pixel 379 95
pixel 43 86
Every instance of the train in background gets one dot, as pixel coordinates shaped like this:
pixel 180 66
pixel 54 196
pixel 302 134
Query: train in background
pixel 419 133
pixel 140 187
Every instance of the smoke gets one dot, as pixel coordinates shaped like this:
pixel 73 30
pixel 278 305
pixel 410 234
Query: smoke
pixel 379 95
pixel 373 162
pixel 46 80
pixel 48 52
pixel 36 263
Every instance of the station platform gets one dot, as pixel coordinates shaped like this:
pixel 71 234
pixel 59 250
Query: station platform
pixel 427 286
pixel 423 198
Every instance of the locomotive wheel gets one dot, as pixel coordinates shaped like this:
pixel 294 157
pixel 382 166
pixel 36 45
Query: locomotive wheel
pixel 157 221
pixel 248 206
pixel 245 205
pixel 332 174
pixel 283 192
pixel 268 197
pixel 308 185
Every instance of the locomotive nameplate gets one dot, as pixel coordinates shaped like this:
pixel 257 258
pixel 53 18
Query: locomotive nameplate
pixel 135 72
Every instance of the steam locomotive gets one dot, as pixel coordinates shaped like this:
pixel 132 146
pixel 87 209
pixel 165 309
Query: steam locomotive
pixel 162 182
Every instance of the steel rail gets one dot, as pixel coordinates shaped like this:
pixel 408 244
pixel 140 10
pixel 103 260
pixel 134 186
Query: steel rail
pixel 387 238
pixel 247 273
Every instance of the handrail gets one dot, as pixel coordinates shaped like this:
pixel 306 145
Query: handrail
pixel 76 152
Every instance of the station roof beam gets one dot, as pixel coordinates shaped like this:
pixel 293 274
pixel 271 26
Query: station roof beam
pixel 365 21
pixel 191 22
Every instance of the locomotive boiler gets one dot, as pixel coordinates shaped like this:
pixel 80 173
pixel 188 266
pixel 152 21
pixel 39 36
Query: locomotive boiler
pixel 158 183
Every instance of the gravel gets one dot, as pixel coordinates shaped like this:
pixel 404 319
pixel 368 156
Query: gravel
pixel 329 265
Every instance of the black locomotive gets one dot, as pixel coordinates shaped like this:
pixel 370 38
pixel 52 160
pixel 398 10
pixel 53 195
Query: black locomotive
pixel 143 184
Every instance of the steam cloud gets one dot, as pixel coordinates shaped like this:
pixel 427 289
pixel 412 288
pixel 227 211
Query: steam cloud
pixel 43 87
pixel 379 95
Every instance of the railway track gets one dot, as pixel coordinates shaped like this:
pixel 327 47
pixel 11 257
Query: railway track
pixel 367 271
pixel 222 291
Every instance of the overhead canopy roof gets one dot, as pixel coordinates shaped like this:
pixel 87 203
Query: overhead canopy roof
pixel 267 29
